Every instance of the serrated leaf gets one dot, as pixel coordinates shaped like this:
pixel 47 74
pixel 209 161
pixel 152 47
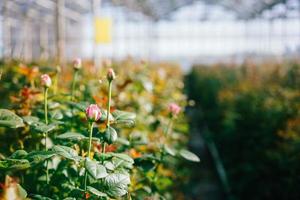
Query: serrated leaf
pixel 10 119
pixel 110 135
pixel 124 118
pixel 169 150
pixel 18 154
pixel 96 192
pixel 95 169
pixel 120 163
pixel 71 136
pixel 56 114
pixel 42 127
pixel 65 152
pixel 37 157
pixel 116 184
pixel 14 164
pixel 189 155
pixel 30 119
pixel 109 165
pixel 123 157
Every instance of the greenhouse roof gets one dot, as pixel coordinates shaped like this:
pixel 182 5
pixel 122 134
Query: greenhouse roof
pixel 155 9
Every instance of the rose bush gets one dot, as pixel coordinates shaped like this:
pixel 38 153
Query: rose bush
pixel 78 145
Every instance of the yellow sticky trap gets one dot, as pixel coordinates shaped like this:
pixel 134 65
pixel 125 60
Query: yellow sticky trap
pixel 103 30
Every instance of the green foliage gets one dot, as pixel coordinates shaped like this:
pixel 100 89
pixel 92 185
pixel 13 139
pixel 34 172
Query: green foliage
pixel 69 158
pixel 95 169
pixel 10 119
pixel 189 155
pixel 116 184
pixel 110 135
pixel 252 114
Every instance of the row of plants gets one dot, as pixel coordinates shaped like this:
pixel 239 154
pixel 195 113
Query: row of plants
pixel 252 114
pixel 64 135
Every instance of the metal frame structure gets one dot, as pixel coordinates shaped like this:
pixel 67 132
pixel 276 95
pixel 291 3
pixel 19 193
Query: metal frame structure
pixel 45 21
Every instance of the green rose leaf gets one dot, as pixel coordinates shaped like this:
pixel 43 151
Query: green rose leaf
pixel 123 156
pixel 95 169
pixel 123 118
pixel 30 119
pixel 65 152
pixel 42 127
pixel 14 164
pixel 37 157
pixel 116 184
pixel 110 135
pixel 71 136
pixel 96 192
pixel 169 150
pixel 80 105
pixel 10 119
pixel 18 154
pixel 104 116
pixel 109 165
pixel 121 164
pixel 189 155
pixel 56 114
pixel 123 141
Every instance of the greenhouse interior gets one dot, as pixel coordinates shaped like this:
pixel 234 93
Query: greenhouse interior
pixel 149 99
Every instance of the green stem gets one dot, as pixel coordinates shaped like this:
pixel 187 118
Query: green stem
pixel 169 127
pixel 90 139
pixel 89 153
pixel 72 95
pixel 108 112
pixel 73 84
pixel 46 133
pixel 162 154
pixel 46 104
pixel 108 104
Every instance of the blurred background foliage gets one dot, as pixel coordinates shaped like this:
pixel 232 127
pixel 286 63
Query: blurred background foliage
pixel 251 113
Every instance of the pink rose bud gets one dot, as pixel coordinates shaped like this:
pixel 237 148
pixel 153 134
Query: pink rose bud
pixel 46 80
pixel 77 63
pixel 174 109
pixel 93 112
pixel 110 74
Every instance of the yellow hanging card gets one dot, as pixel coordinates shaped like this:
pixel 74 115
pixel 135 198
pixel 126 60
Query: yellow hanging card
pixel 103 30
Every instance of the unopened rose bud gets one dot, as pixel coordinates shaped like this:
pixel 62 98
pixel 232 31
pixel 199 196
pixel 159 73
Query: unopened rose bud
pixel 46 80
pixel 77 64
pixel 93 112
pixel 174 109
pixel 110 74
